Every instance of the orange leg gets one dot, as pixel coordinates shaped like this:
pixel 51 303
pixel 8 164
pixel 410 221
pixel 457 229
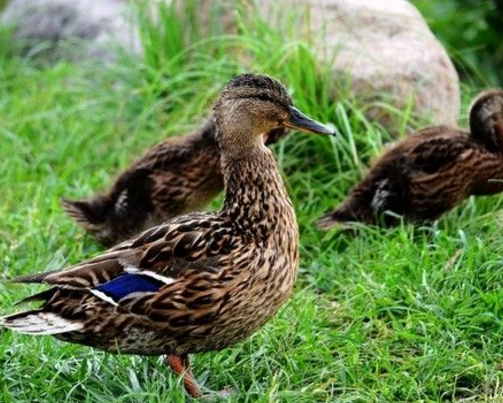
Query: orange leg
pixel 180 365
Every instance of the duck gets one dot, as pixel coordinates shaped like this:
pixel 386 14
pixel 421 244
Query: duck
pixel 199 282
pixel 427 174
pixel 177 176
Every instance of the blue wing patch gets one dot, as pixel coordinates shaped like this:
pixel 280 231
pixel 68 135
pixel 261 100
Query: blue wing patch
pixel 127 284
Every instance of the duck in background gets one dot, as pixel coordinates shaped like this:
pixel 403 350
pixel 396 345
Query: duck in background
pixel 201 281
pixel 176 176
pixel 430 172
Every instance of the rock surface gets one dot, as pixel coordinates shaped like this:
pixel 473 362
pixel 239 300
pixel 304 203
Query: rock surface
pixel 384 47
pixel 72 29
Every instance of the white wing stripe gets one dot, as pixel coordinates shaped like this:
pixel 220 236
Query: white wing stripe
pixel 151 274
pixel 103 296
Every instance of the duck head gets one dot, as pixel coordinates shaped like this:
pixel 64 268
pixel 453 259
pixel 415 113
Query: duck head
pixel 252 104
pixel 486 119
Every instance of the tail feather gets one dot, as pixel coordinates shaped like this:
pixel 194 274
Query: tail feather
pixel 33 278
pixel 38 322
pixel 85 213
pixel 352 210
pixel 41 296
pixel 326 222
pixel 94 216
pixel 332 219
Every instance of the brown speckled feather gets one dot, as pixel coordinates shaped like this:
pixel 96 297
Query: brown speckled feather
pixel 427 174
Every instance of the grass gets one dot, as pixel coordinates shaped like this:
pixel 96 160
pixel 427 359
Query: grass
pixel 474 42
pixel 402 315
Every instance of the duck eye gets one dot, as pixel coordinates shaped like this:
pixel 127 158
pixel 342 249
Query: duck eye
pixel 264 97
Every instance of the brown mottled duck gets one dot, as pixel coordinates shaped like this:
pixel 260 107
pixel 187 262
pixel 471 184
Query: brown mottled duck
pixel 430 172
pixel 176 176
pixel 201 281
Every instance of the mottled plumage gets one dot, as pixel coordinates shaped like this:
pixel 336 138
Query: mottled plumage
pixel 175 177
pixel 427 174
pixel 201 281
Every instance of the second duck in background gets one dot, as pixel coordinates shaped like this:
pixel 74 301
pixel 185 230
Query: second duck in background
pixel 176 176
pixel 428 173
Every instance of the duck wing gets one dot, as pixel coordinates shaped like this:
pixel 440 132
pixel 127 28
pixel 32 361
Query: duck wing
pixel 435 154
pixel 148 262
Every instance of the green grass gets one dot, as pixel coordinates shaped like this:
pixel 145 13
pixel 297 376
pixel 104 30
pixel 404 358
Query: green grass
pixel 474 42
pixel 402 315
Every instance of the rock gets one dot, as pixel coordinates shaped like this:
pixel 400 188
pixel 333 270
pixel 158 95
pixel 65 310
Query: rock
pixel 73 29
pixel 385 48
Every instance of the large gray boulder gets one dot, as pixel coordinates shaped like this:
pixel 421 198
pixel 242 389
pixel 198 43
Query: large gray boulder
pixel 383 48
pixel 73 29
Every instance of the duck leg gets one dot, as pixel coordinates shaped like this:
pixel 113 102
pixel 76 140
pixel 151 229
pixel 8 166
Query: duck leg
pixel 180 365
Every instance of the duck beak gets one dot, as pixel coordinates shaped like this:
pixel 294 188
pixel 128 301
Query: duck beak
pixel 297 120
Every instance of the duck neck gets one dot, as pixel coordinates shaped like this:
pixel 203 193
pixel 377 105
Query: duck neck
pixel 255 197
pixel 489 136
